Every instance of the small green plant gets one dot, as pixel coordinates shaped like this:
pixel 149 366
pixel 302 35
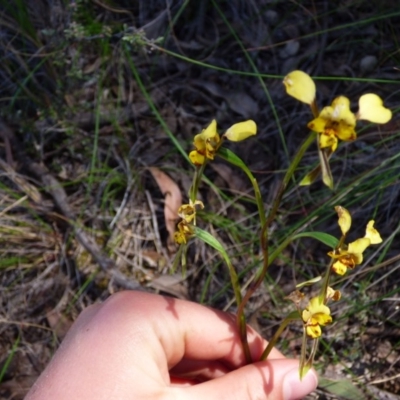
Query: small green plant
pixel 138 40
pixel 333 123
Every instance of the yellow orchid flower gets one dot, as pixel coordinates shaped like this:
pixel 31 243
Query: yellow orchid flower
pixel 351 255
pixel 206 144
pixel 332 294
pixel 186 227
pixel 335 122
pixel 188 211
pixel 208 141
pixel 184 232
pixel 338 122
pixel 315 315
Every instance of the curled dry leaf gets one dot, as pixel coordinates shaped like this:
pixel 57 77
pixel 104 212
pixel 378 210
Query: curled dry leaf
pixel 173 198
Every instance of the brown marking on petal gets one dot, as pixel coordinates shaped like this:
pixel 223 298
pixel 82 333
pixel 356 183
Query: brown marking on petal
pixel 348 260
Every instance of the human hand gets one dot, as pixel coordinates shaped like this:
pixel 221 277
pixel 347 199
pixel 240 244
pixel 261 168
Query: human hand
pixel 142 346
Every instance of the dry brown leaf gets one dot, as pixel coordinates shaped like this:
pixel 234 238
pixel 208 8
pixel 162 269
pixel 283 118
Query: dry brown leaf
pixel 173 198
pixel 172 284
pixel 154 259
pixel 234 181
pixel 238 101
pixel 243 104
pixel 59 323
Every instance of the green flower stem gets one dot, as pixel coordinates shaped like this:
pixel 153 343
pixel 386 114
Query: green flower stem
pixel 288 176
pixel 303 354
pixel 314 109
pixel 260 203
pixel 324 155
pixel 257 194
pixel 196 182
pixel 313 350
pixel 229 156
pixel 305 366
pixel 293 316
pixel 206 237
pixel 325 283
pixel 264 231
pixel 242 326
pixel 235 282
pixel 240 317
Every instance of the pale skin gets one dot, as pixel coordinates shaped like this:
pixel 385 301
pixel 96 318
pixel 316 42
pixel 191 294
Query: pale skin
pixel 143 346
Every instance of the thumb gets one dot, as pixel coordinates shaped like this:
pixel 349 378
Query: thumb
pixel 275 379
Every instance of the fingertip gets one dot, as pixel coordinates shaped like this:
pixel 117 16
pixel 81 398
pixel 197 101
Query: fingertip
pixel 295 388
pixel 275 379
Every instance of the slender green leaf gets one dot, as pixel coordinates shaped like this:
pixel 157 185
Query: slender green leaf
pixel 343 389
pixel 213 242
pixel 309 282
pixel 323 237
pixel 231 157
pixel 180 258
pixel 9 358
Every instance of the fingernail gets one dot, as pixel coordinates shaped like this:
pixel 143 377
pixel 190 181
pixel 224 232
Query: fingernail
pixel 294 388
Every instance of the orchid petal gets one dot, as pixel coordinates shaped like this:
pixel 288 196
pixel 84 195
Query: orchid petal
pixel 300 86
pixel 241 131
pixel 371 109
